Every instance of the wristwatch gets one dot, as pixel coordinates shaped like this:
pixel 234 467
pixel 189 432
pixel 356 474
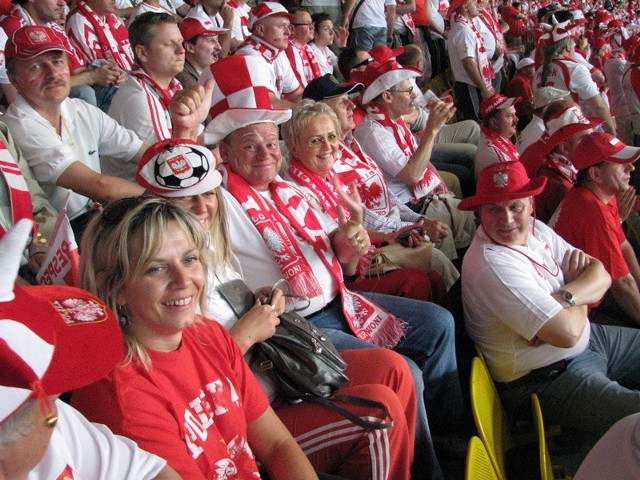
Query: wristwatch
pixel 567 297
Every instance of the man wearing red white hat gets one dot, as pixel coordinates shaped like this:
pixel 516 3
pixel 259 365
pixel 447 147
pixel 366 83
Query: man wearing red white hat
pixel 217 14
pixel 388 95
pixel 525 292
pixel 499 124
pixel 589 217
pixel 551 156
pixel 54 340
pixel 201 49
pixel 270 26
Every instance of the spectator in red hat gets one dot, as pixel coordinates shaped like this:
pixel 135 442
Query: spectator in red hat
pixel 526 293
pixel 270 26
pixel 551 156
pixel 83 75
pixel 499 125
pixel 62 139
pixel 201 49
pixel 470 64
pixel 388 95
pixel 52 340
pixel 299 53
pixel 217 14
pixel 560 70
pixel 591 214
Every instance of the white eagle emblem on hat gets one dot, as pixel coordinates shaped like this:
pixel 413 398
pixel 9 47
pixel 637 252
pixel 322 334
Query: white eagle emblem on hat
pixel 79 310
pixel 501 179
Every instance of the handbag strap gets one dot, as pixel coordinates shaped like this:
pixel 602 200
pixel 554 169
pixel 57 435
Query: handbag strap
pixel 233 292
pixel 353 15
pixel 349 415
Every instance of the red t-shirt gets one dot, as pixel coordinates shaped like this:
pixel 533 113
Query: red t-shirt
pixel 593 227
pixel 191 408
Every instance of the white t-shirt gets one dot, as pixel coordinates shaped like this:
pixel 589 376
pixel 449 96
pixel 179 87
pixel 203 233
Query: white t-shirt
pixel 199 13
pixel 631 85
pixel 613 70
pixel 87 133
pixel 372 14
pixel 257 262
pixel 506 293
pixel 239 31
pixel 461 44
pixel 326 58
pixel 530 134
pixel 92 451
pixel 489 43
pixel 145 7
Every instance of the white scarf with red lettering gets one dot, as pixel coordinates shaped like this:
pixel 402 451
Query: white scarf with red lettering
pixel 158 100
pixel 490 22
pixel 112 36
pixel 486 69
pixel 504 145
pixel 19 195
pixel 277 222
pixel 430 184
pixel 354 166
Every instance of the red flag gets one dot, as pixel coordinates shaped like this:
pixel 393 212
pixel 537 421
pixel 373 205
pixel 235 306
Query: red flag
pixel 62 260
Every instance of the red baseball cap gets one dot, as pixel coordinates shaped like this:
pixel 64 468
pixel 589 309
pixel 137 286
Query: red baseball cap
pixel 267 9
pixel 192 27
pixel 501 182
pixel 33 40
pixel 382 53
pixel 496 102
pixel 603 147
pixel 53 339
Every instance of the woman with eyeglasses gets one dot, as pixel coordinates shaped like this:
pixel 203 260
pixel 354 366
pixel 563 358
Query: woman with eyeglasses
pixel 331 443
pixel 312 136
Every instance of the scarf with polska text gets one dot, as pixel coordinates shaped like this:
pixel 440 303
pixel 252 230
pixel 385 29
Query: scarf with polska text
pixel 291 215
pixel 430 184
pixel 503 145
pixel 113 38
pixel 19 196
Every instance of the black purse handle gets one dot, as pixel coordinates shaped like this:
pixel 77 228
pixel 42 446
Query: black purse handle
pixel 348 414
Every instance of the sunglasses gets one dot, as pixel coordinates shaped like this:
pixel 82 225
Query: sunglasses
pixel 366 61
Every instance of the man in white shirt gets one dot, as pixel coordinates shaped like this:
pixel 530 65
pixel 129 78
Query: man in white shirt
pixel 369 22
pixel 542 98
pixel 525 292
pixel 300 55
pixel 270 26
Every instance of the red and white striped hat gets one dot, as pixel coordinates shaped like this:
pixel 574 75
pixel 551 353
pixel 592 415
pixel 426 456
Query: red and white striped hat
pixel 603 147
pixel 241 99
pixel 496 102
pixel 267 9
pixel 192 27
pixel 378 77
pixel 53 339
pixel 556 32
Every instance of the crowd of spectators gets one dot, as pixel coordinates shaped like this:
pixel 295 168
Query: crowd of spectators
pixel 428 176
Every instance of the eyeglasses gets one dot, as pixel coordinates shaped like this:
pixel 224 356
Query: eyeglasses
pixel 317 141
pixel 364 62
pixel 408 90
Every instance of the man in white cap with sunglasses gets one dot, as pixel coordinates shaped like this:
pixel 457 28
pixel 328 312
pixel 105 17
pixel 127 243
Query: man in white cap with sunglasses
pixel 53 340
pixel 526 293
pixel 590 219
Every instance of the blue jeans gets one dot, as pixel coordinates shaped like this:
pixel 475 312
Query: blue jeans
pixel 84 92
pixel 367 37
pixel 598 388
pixel 430 351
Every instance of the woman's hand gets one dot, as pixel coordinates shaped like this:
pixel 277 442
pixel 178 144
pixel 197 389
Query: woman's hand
pixel 260 322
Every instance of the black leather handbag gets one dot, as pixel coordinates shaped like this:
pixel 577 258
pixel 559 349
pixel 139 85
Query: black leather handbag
pixel 301 361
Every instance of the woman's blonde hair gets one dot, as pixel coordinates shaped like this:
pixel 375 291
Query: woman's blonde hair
pixel 301 116
pixel 107 260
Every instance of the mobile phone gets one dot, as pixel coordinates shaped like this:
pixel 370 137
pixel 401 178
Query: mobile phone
pixel 403 238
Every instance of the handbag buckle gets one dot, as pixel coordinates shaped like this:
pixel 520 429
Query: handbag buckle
pixel 266 365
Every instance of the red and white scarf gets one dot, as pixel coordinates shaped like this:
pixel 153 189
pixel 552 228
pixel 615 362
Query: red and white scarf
pixel 354 166
pixel 502 145
pixel 243 16
pixel 308 62
pixel 291 216
pixel 430 184
pixel 486 69
pixel 494 26
pixel 407 18
pixel 113 38
pixel 158 100
pixel 561 164
pixel 19 195
pixel 268 51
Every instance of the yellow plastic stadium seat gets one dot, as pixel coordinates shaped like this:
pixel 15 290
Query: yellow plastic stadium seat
pixel 490 417
pixel 547 470
pixel 479 466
